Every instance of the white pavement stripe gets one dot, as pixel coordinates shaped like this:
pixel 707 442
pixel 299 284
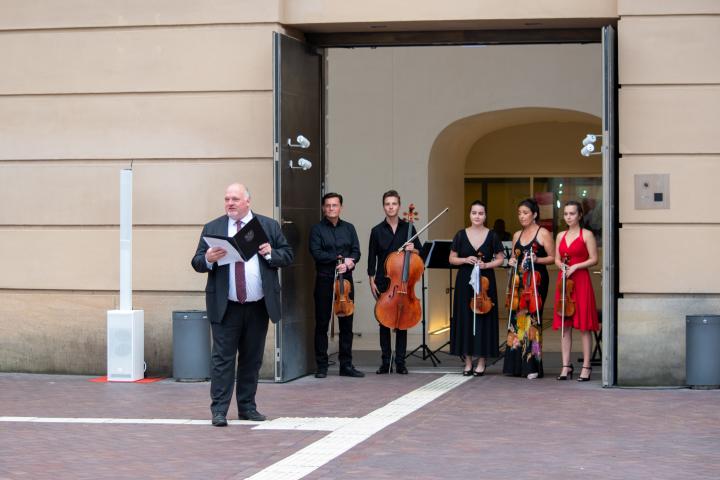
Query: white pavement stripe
pixel 319 453
pixel 132 421
pixel 305 423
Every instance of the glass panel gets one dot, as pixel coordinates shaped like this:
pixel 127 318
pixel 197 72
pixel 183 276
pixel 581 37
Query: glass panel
pixel 552 193
pixel 501 195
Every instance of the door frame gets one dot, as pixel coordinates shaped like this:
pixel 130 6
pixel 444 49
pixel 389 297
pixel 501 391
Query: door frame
pixel 599 34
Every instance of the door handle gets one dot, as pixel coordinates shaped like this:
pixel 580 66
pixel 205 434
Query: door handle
pixel 286 222
pixel 597 272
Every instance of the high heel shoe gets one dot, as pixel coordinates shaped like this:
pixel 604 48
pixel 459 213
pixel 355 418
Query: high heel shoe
pixel 584 379
pixel 467 373
pixel 477 373
pixel 569 375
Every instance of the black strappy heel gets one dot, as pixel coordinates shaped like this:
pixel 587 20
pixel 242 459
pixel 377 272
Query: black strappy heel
pixel 584 379
pixel 569 374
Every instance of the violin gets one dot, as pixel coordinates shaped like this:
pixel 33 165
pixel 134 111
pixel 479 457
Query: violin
pixel 343 305
pixel 529 298
pixel 481 302
pixel 398 307
pixel 511 291
pixel 565 303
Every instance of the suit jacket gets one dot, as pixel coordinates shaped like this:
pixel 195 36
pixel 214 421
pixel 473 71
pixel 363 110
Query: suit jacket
pixel 216 289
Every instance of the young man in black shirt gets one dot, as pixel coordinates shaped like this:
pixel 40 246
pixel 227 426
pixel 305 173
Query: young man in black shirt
pixel 386 237
pixel 330 238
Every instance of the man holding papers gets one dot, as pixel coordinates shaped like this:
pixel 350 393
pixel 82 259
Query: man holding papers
pixel 242 291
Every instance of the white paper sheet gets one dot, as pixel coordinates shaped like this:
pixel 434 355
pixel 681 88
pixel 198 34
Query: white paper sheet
pixel 231 256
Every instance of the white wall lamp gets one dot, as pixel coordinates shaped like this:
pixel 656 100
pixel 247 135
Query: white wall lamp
pixel 589 145
pixel 302 164
pixel 302 142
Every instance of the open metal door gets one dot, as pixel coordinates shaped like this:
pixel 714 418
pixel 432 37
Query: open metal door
pixel 298 111
pixel 610 211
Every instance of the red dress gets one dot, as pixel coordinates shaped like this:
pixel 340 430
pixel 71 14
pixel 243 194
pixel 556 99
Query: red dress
pixel 585 317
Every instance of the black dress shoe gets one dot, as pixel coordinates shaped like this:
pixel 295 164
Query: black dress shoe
pixel 219 420
pixel 351 372
pixel 253 415
pixel 321 374
pixel 383 369
pixel 401 369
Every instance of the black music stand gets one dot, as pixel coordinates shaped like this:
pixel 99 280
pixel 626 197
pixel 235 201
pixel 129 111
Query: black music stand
pixel 423 347
pixel 438 257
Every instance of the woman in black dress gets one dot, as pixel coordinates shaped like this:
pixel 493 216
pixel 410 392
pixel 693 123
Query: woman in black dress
pixel 523 355
pixel 475 245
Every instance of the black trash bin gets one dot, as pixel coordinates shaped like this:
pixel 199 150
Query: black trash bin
pixel 191 346
pixel 702 362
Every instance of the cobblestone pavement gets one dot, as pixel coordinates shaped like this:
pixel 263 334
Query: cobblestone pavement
pixel 489 427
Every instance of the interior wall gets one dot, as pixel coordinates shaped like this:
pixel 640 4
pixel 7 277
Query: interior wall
pixel 541 149
pixel 407 118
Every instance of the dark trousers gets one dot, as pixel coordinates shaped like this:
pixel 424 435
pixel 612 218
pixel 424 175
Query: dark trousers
pixel 323 308
pixel 400 336
pixel 400 346
pixel 241 334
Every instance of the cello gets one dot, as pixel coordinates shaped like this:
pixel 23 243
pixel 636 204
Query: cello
pixel 398 307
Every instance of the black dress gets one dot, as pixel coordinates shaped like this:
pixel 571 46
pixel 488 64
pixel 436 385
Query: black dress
pixel 485 341
pixel 523 353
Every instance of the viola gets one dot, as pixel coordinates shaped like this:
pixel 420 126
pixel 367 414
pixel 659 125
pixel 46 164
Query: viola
pixel 565 304
pixel 511 291
pixel 529 298
pixel 481 302
pixel 343 305
pixel 398 307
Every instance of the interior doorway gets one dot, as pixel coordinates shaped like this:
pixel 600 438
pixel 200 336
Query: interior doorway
pixel 401 117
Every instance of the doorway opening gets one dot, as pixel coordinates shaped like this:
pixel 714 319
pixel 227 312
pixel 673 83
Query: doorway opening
pixel 441 124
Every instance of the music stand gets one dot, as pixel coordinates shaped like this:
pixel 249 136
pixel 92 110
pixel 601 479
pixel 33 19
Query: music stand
pixel 439 257
pixel 423 347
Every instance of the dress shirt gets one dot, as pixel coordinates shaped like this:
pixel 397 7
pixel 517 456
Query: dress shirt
pixel 327 241
pixel 383 241
pixel 253 282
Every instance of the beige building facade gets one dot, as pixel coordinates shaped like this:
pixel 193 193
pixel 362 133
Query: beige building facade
pixel 183 92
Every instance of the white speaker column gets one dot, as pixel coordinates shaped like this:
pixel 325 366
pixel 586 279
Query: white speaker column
pixel 125 326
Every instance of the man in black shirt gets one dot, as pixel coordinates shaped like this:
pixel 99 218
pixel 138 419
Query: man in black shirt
pixel 329 239
pixel 386 237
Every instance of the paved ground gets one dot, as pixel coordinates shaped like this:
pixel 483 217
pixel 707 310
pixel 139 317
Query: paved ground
pixel 491 427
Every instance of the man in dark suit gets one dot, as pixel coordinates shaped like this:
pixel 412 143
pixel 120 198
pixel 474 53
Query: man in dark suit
pixel 239 297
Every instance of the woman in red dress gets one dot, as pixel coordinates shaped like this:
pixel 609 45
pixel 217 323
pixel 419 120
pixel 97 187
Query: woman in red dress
pixel 579 247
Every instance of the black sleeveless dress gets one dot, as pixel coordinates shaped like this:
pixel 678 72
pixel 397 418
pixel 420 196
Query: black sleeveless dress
pixel 483 340
pixel 523 352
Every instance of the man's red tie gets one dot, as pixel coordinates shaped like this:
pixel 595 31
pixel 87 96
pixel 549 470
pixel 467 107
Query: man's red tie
pixel 240 288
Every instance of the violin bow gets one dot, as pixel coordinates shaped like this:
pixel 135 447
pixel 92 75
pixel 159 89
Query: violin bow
pixel 512 293
pixel 475 302
pixel 422 229
pixel 537 306
pixel 562 315
pixel 332 304
pixel 477 265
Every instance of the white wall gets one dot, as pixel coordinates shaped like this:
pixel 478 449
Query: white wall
pixel 387 107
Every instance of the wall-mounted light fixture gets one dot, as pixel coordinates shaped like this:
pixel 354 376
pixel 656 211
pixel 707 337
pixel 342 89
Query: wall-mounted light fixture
pixel 589 145
pixel 302 163
pixel 302 142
